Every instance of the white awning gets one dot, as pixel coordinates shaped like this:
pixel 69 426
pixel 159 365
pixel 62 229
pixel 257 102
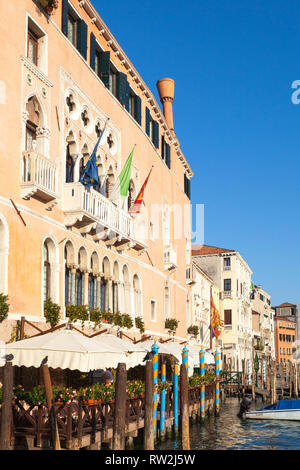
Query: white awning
pixel 135 353
pixel 66 349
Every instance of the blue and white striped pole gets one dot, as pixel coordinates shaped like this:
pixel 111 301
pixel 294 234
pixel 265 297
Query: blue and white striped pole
pixel 162 400
pixel 155 380
pixel 249 372
pixel 217 370
pixel 264 372
pixel 185 358
pixel 175 396
pixel 202 389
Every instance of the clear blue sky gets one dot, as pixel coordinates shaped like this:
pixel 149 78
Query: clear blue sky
pixel 233 63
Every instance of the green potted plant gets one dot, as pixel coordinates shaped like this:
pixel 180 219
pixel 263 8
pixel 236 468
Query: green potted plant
pixel 107 316
pixel 4 307
pixel 127 321
pixel 96 316
pixel 51 312
pixel 171 324
pixel 77 312
pixel 140 324
pixel 19 393
pixel 193 330
pixel 37 396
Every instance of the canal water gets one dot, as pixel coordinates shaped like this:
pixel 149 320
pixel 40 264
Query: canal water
pixel 228 432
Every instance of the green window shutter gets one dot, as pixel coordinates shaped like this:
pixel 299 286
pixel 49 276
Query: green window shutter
pixel 156 134
pixel 92 50
pixel 105 68
pixel 123 89
pixel 148 118
pixel 138 109
pixel 65 7
pixel 168 156
pixel 81 44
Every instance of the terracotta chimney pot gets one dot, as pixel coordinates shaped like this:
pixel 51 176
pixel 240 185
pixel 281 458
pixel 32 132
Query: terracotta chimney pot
pixel 165 87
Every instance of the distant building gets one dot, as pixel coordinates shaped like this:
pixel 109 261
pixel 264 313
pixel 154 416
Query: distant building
pixel 286 310
pixel 285 339
pixel 202 287
pixel 262 323
pixel 232 275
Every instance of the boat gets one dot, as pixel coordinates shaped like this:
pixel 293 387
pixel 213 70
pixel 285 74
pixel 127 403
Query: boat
pixel 282 409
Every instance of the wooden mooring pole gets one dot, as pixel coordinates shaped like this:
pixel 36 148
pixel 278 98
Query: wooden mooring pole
pixel 184 401
pixel 51 411
pixel 118 441
pixel 6 409
pixel 149 408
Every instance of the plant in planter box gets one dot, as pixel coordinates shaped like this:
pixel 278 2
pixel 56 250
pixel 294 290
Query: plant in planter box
pixel 127 321
pixel 36 396
pixel 64 395
pixel 193 330
pixel 87 394
pixel 77 312
pixel 96 316
pixel 19 393
pixel 51 312
pixel 140 324
pixel 107 316
pixel 171 324
pixel 117 319
pixel 4 307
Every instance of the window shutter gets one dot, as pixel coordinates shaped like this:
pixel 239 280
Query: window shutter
pixel 156 134
pixel 163 147
pixel 168 156
pixel 148 117
pixel 105 68
pixel 138 109
pixel 92 51
pixel 187 187
pixel 81 44
pixel 123 89
pixel 65 7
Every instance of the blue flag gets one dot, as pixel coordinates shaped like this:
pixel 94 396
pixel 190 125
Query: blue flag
pixel 90 175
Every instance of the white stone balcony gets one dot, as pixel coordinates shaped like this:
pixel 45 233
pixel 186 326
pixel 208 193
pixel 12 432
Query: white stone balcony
pixel 170 258
pixel 91 212
pixel 226 294
pixel 39 178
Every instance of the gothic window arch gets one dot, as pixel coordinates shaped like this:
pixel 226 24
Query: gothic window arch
pixel 137 294
pixel 50 279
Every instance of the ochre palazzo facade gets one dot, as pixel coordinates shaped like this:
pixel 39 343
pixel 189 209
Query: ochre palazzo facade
pixel 64 79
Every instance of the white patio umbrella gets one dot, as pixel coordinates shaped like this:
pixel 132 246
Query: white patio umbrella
pixel 135 354
pixel 65 349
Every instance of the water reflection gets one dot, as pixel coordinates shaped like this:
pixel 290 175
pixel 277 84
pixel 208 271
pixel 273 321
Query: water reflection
pixel 228 432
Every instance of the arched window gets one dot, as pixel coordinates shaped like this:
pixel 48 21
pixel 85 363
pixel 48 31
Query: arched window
pixel 104 296
pixel 92 291
pixel 69 260
pixel 47 273
pixel 79 287
pixel 69 167
pixel 109 182
pixel 137 296
pixel 126 291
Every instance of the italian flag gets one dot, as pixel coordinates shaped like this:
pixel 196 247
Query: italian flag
pixel 120 189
